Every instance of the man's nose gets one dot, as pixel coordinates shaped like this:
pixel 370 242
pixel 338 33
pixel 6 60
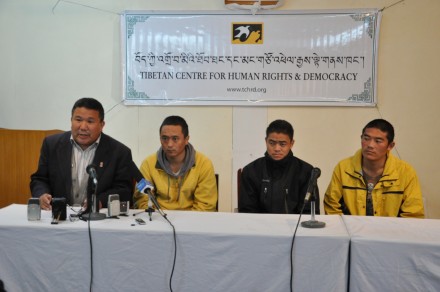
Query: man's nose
pixel 83 125
pixel 371 143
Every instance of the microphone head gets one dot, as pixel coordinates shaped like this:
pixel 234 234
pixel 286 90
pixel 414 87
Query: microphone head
pixel 90 168
pixel 316 172
pixel 144 186
pixel 91 171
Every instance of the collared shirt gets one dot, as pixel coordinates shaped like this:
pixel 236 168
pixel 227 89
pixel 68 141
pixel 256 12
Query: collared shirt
pixel 80 160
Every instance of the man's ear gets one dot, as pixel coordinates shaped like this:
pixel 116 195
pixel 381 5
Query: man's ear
pixel 293 142
pixel 391 146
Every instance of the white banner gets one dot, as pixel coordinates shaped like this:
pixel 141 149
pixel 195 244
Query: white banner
pixel 271 59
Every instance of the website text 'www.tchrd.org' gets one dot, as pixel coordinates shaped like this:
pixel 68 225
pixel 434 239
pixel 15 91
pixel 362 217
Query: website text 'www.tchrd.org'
pixel 246 89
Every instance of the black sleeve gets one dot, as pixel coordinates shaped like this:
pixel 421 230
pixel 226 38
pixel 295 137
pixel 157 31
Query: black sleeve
pixel 40 183
pixel 248 200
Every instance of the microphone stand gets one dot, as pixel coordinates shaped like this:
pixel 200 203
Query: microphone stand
pixel 150 209
pixel 159 210
pixel 93 215
pixel 312 223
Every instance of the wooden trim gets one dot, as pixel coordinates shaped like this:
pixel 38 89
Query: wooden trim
pixel 19 155
pixel 250 2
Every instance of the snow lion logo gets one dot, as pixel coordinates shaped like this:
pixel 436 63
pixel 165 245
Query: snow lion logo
pixel 247 33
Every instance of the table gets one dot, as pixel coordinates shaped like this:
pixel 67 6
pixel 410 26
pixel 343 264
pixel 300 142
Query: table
pixel 215 252
pixel 394 254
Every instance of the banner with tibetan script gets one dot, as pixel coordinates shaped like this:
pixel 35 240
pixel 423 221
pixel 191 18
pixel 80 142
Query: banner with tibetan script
pixel 277 58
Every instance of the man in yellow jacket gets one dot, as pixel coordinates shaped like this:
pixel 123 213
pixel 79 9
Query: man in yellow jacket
pixel 183 178
pixel 373 182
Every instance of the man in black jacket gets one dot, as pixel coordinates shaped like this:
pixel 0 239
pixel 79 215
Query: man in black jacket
pixel 64 158
pixel 277 182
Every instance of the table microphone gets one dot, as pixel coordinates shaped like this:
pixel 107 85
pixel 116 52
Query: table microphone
pixel 315 174
pixel 91 170
pixel 145 187
pixel 91 213
pixel 310 196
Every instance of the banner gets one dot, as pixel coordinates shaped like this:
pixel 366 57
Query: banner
pixel 276 58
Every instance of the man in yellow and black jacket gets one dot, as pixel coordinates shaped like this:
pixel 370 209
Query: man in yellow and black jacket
pixel 374 182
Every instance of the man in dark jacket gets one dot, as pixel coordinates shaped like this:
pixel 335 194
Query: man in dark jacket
pixel 277 182
pixel 64 158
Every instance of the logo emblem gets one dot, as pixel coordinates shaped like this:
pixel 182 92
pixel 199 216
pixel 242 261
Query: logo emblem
pixel 247 33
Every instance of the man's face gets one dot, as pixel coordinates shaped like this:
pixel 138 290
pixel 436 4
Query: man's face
pixel 375 144
pixel 173 142
pixel 86 126
pixel 278 145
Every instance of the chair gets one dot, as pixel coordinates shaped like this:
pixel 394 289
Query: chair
pixel 239 171
pixel 216 183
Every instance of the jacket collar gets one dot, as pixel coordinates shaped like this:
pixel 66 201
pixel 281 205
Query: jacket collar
pixel 389 171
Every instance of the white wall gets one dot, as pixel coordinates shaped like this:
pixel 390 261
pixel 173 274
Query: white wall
pixel 48 59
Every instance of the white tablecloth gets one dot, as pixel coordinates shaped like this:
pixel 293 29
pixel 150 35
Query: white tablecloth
pixel 394 254
pixel 215 252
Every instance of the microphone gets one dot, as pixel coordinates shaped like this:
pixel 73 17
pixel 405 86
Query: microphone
pixel 91 213
pixel 91 170
pixel 312 223
pixel 316 173
pixel 145 187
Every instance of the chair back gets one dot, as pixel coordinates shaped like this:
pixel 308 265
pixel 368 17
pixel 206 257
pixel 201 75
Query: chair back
pixel 216 183
pixel 238 185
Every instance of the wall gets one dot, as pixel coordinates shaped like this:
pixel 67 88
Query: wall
pixel 51 57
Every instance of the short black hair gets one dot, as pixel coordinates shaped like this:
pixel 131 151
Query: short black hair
pixel 176 121
pixel 382 125
pixel 89 103
pixel 280 126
